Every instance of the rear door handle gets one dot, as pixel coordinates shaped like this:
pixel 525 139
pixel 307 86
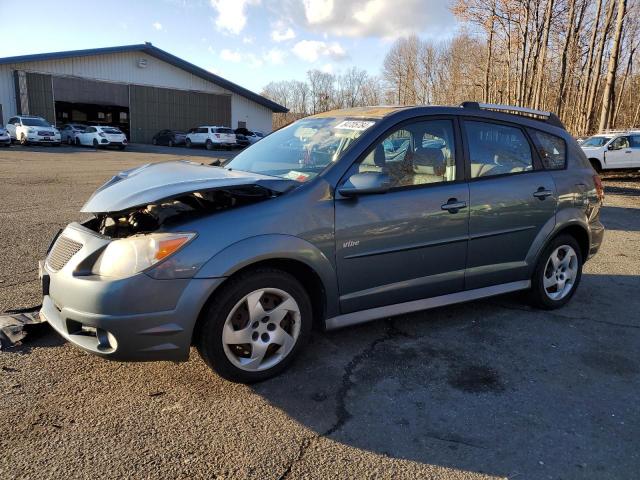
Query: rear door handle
pixel 453 205
pixel 542 193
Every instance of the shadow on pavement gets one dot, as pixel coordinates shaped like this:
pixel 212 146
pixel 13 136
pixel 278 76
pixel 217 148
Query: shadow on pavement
pixel 492 386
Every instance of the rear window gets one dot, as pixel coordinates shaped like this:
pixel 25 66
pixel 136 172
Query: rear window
pixel 112 131
pixel 552 150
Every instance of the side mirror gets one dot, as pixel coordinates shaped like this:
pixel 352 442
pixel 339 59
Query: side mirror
pixel 366 183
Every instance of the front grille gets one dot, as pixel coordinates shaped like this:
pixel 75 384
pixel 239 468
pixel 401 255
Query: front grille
pixel 62 251
pixel 44 133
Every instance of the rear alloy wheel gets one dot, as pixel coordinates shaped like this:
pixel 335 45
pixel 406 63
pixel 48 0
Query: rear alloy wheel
pixel 188 143
pixel 557 274
pixel 255 326
pixel 209 145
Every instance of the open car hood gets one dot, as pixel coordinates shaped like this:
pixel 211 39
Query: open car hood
pixel 154 182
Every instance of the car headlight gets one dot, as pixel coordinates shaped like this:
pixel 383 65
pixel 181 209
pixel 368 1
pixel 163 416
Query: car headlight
pixel 128 256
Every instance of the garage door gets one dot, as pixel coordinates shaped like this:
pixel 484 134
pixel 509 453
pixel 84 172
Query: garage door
pixel 39 94
pixel 153 109
pixel 80 90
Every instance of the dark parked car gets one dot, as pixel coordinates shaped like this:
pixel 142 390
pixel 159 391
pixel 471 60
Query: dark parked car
pixel 241 139
pixel 169 137
pixel 337 219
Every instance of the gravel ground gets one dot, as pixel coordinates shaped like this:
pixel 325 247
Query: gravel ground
pixel 483 390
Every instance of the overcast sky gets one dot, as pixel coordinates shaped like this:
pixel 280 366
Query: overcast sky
pixel 250 42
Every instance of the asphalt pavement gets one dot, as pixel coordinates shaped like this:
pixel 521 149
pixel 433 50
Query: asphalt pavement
pixel 488 389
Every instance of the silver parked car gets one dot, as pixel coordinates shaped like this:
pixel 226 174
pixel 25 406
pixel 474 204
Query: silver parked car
pixel 334 220
pixel 70 131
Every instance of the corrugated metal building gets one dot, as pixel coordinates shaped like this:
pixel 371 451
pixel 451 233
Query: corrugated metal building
pixel 140 88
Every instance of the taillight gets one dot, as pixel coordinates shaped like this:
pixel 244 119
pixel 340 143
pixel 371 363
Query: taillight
pixel 599 188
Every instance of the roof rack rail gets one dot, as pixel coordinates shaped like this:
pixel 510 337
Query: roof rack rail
pixel 542 115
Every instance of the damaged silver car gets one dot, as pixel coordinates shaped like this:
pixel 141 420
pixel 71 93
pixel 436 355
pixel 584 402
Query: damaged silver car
pixel 337 219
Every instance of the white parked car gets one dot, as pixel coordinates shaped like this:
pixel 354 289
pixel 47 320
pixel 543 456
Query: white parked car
pixel 102 137
pixel 69 132
pixel 612 151
pixel 29 129
pixel 5 138
pixel 211 137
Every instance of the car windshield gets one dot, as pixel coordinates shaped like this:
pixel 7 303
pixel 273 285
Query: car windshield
pixel 595 141
pixel 35 122
pixel 303 149
pixel 78 127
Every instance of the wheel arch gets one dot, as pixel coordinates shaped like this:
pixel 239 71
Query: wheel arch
pixel 293 255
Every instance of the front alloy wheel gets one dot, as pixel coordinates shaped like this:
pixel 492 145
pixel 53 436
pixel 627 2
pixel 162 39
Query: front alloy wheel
pixel 261 330
pixel 255 325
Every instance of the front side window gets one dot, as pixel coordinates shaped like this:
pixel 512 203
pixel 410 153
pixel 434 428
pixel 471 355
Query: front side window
pixel 419 153
pixel 497 149
pixel 303 149
pixel 619 143
pixel 552 149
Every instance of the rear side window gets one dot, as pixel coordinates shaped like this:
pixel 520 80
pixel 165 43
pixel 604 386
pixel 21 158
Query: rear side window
pixel 497 149
pixel 635 141
pixel 552 150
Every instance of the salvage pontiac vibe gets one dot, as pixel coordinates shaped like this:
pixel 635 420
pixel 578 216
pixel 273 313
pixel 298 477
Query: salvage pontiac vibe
pixel 337 219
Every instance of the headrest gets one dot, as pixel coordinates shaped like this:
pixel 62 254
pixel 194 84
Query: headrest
pixel 379 157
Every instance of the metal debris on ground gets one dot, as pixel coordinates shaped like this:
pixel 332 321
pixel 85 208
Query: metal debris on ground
pixel 12 330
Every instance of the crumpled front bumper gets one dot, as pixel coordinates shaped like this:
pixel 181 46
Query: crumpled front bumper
pixel 138 318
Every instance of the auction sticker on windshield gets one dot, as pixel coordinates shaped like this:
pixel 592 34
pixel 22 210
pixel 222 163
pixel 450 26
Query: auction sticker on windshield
pixel 354 125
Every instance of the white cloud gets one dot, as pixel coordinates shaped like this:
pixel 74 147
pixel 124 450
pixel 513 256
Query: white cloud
pixel 275 56
pixel 248 40
pixel 312 50
pixel 373 18
pixel 280 35
pixel 327 68
pixel 232 15
pixel 253 61
pixel 318 11
pixel 211 50
pixel 230 56
pixel 157 25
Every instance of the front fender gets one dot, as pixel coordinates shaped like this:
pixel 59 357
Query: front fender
pixel 274 247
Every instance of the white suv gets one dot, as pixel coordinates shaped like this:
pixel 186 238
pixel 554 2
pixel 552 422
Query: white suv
pixel 609 151
pixel 28 129
pixel 211 137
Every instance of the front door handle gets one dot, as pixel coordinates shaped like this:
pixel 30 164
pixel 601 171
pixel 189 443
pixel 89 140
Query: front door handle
pixel 542 193
pixel 453 205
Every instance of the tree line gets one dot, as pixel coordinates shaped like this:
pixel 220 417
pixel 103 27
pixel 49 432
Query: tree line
pixel 577 58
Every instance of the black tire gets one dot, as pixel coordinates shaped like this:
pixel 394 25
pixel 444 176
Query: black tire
pixel 70 141
pixel 188 143
pixel 209 145
pixel 208 337
pixel 78 144
pixel 171 144
pixel 595 163
pixel 537 295
pixel 154 141
pixel 96 145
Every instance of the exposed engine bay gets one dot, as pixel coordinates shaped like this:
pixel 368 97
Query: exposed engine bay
pixel 152 217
